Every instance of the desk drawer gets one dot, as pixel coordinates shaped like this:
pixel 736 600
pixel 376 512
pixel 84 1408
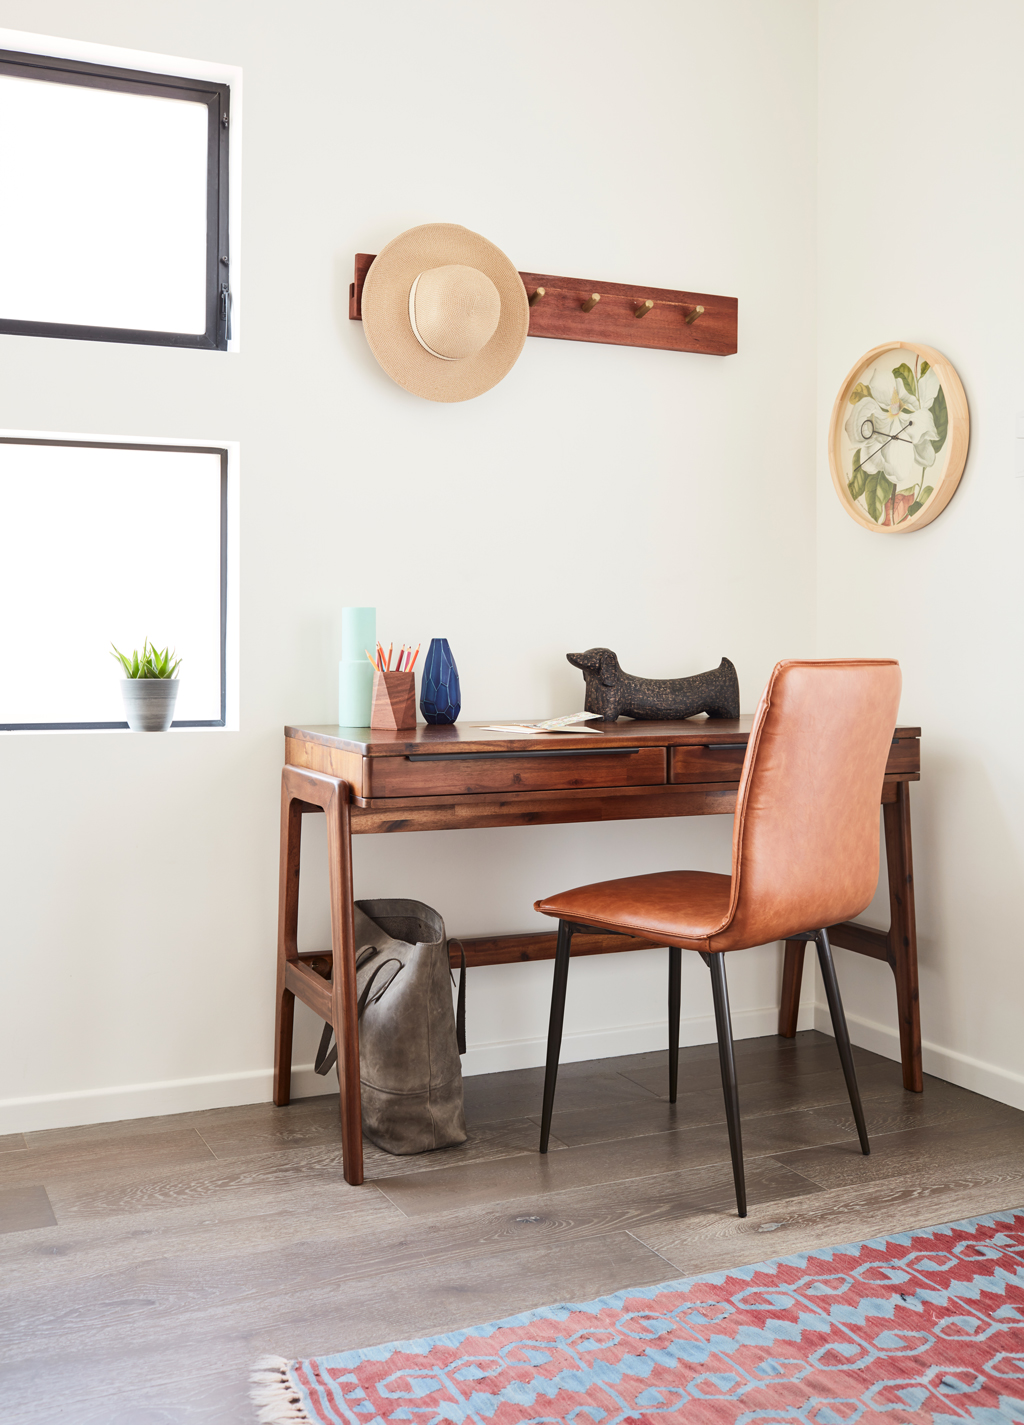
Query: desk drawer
pixel 707 764
pixel 725 762
pixel 438 774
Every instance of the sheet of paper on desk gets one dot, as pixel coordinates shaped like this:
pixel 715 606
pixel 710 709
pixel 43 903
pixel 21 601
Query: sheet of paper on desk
pixel 554 724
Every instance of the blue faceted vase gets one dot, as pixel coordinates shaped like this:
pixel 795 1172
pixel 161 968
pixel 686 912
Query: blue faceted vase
pixel 440 694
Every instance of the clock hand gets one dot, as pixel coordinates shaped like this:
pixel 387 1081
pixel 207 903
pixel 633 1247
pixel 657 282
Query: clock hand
pixel 870 422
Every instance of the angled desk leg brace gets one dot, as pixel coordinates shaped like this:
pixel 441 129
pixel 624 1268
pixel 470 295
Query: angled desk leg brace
pixel 333 1000
pixel 897 946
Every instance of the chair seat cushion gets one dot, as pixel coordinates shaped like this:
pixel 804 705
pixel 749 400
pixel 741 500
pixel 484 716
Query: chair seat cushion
pixel 682 908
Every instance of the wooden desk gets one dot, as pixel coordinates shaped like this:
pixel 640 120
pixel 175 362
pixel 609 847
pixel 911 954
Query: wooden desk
pixel 452 778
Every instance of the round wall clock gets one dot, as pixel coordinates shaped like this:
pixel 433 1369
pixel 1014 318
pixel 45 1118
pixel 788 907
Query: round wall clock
pixel 897 442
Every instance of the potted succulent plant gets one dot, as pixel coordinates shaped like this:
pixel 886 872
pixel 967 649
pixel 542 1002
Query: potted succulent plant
pixel 149 688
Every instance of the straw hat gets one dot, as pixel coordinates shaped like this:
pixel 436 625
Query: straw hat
pixel 445 312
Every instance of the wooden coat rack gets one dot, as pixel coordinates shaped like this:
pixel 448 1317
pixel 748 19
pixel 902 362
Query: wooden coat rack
pixel 612 312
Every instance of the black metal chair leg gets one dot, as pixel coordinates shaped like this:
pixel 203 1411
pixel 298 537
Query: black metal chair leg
pixel 561 978
pixel 835 1009
pixel 723 1022
pixel 675 985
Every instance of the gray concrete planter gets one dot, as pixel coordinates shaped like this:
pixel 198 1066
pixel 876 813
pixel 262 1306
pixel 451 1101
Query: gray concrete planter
pixel 149 703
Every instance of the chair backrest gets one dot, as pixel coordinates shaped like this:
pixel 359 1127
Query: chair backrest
pixel 805 838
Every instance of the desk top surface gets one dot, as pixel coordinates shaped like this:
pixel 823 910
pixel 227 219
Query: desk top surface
pixel 475 736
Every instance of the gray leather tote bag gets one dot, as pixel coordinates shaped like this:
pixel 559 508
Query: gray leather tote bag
pixel 409 1067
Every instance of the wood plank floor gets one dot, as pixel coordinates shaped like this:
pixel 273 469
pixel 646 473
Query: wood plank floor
pixel 145 1265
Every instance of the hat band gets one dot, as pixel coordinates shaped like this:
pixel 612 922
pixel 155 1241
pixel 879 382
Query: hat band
pixel 415 328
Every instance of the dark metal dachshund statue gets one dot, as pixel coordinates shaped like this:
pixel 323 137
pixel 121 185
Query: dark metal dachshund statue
pixel 613 693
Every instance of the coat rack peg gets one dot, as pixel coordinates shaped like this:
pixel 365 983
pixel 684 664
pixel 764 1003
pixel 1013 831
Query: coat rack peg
pixel 591 302
pixel 540 292
pixel 643 310
pixel 697 312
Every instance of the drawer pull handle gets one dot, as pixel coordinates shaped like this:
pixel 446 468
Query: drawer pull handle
pixel 720 746
pixel 492 756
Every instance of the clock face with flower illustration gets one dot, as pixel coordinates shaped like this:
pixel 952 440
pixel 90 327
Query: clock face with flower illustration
pixel 898 437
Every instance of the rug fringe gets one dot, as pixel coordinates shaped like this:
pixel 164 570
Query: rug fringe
pixel 274 1395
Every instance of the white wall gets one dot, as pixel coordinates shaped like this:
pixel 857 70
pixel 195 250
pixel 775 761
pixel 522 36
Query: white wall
pixel 921 212
pixel 645 500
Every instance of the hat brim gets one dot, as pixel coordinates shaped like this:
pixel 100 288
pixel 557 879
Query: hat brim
pixel 385 311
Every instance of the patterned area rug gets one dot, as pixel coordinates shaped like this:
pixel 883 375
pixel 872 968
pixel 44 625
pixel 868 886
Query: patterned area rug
pixel 921 1327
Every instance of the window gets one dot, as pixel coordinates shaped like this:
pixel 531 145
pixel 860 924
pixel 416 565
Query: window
pixel 107 542
pixel 115 194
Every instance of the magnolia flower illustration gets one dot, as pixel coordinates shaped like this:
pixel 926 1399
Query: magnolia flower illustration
pixel 897 427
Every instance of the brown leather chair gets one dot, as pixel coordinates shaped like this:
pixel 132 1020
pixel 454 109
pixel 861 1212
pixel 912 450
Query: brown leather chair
pixel 804 856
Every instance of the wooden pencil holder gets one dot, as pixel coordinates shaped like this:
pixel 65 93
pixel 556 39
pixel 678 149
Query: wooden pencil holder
pixel 394 700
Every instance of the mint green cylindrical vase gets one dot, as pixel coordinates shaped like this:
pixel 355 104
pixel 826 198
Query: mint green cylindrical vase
pixel 355 673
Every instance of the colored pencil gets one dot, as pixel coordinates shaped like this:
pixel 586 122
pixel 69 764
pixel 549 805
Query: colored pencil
pixel 404 663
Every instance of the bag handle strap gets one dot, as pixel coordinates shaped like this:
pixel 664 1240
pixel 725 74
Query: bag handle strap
pixel 460 1006
pixel 365 998
pixel 325 1061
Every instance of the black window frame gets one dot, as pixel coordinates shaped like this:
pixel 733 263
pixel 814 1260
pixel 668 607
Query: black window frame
pixel 217 98
pixel 144 445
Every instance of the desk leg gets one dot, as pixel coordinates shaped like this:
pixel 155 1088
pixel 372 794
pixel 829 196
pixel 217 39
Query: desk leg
pixel 792 975
pixel 343 985
pixel 287 940
pixel 903 932
pixel 897 946
pixel 305 791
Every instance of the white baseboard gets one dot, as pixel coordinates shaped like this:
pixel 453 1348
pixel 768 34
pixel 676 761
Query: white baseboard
pixel 628 1039
pixel 969 1073
pixel 110 1105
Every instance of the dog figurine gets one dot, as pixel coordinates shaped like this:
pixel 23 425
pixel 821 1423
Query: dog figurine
pixel 614 694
